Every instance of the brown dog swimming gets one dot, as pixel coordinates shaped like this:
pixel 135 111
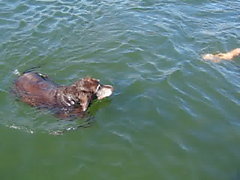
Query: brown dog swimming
pixel 38 90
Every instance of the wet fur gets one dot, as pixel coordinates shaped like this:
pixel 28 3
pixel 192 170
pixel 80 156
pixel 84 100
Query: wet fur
pixel 38 90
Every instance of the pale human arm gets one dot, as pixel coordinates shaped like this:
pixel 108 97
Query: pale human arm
pixel 222 56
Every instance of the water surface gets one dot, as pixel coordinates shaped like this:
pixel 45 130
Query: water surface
pixel 172 116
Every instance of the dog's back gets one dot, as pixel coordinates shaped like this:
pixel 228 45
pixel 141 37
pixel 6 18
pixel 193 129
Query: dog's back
pixel 35 89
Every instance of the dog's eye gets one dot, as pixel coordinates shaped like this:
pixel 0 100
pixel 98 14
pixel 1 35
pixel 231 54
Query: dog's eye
pixel 98 87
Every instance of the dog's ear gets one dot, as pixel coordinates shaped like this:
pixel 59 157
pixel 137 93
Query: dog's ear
pixel 87 85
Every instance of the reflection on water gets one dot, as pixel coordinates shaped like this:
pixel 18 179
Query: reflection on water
pixel 173 115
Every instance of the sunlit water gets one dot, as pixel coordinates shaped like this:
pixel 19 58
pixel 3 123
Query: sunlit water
pixel 172 115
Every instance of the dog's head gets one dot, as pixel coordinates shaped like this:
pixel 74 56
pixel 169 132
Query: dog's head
pixel 91 85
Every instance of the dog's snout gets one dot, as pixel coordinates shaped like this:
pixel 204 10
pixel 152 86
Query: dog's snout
pixel 104 91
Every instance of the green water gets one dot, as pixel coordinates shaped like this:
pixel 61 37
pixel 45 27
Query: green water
pixel 172 115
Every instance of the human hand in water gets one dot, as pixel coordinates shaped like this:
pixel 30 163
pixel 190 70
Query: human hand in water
pixel 222 56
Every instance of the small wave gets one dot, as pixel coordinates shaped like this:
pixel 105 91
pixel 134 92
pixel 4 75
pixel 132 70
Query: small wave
pixel 46 0
pixel 124 136
pixel 16 72
pixel 21 128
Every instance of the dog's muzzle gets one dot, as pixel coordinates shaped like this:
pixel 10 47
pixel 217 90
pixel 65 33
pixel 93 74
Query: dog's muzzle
pixel 104 91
